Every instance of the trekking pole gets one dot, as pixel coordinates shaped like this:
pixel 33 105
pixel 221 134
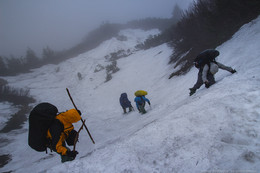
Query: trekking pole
pixel 83 123
pixel 132 107
pixel 150 106
pixel 77 137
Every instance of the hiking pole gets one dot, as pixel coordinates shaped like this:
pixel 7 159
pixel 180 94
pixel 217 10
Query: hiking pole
pixel 77 137
pixel 132 107
pixel 81 118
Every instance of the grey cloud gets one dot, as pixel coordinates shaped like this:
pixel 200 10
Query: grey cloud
pixel 61 23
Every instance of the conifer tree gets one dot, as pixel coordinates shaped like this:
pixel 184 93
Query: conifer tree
pixel 3 69
pixel 31 60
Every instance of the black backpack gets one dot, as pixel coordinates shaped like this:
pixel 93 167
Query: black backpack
pixel 206 57
pixel 40 120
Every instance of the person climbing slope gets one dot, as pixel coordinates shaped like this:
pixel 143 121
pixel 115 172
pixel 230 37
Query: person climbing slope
pixel 208 67
pixel 140 100
pixel 61 131
pixel 125 103
pixel 50 129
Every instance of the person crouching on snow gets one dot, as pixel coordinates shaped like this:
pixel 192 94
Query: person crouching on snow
pixel 207 66
pixel 61 131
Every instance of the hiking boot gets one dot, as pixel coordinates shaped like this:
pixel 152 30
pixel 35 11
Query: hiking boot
pixel 192 91
pixel 233 71
pixel 65 158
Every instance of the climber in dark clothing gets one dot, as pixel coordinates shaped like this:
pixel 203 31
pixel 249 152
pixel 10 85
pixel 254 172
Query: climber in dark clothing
pixel 208 67
pixel 125 103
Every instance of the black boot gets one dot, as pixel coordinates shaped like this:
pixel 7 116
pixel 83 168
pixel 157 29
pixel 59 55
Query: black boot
pixel 192 91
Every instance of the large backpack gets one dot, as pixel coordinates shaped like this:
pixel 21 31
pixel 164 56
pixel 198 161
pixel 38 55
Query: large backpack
pixel 140 93
pixel 40 120
pixel 206 57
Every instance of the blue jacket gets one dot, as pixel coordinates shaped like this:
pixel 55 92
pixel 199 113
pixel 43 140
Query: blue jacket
pixel 124 102
pixel 141 100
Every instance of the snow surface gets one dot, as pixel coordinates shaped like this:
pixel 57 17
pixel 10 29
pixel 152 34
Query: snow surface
pixel 216 129
pixel 6 109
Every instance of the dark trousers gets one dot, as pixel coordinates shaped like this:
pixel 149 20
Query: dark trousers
pixel 141 108
pixel 130 109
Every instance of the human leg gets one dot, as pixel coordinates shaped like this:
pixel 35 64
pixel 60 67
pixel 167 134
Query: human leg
pixel 124 109
pixel 197 85
pixel 142 108
pixel 211 79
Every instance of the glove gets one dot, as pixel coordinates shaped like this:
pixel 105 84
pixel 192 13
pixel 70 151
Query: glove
pixel 192 91
pixel 233 71
pixel 149 103
pixel 72 153
pixel 207 84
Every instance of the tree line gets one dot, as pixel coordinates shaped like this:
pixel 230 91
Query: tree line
pixel 207 24
pixel 13 65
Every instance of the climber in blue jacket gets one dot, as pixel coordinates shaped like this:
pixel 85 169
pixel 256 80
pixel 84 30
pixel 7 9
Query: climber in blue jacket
pixel 140 103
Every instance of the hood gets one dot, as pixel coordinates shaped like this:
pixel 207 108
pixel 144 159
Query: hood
pixel 216 53
pixel 123 95
pixel 71 116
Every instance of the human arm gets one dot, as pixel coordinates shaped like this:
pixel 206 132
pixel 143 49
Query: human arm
pixel 147 100
pixel 223 67
pixel 136 103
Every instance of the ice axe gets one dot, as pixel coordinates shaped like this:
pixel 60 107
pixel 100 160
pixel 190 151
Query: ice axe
pixel 77 136
pixel 83 123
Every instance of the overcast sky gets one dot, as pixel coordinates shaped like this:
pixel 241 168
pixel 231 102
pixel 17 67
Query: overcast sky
pixel 61 24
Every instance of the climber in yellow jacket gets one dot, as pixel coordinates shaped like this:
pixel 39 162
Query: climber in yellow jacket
pixel 61 131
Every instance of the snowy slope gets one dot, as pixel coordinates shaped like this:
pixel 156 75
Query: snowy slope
pixel 215 129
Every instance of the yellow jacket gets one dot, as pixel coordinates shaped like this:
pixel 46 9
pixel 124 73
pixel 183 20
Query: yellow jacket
pixel 58 134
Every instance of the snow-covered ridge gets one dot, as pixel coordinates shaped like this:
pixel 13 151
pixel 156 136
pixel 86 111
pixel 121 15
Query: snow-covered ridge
pixel 215 129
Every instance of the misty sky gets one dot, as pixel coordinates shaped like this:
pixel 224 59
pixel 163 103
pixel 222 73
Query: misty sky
pixel 61 24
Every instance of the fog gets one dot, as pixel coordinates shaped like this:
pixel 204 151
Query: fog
pixel 60 24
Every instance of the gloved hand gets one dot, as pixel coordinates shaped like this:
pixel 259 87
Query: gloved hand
pixel 233 71
pixel 207 84
pixel 192 91
pixel 149 103
pixel 72 153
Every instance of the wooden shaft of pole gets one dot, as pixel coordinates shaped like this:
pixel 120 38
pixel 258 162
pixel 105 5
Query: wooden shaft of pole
pixel 81 118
